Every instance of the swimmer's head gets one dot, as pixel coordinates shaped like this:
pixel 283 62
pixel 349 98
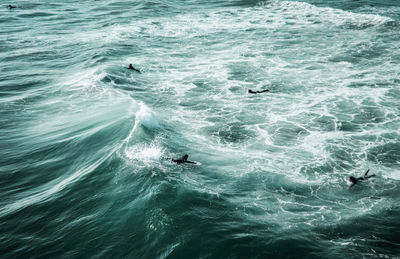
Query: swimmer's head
pixel 186 156
pixel 353 179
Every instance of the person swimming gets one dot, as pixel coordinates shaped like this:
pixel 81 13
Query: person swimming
pixel 134 69
pixel 257 92
pixel 354 180
pixel 11 6
pixel 183 160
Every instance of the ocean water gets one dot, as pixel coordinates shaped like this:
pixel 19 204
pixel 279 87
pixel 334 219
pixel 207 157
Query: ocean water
pixel 85 168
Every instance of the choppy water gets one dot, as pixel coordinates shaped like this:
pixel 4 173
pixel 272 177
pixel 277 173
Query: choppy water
pixel 84 141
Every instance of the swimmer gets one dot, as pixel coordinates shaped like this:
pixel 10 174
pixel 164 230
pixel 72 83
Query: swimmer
pixel 11 6
pixel 354 180
pixel 134 69
pixel 257 92
pixel 183 160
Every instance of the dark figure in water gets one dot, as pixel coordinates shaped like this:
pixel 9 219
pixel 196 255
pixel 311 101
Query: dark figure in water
pixel 11 6
pixel 257 92
pixel 134 69
pixel 183 160
pixel 354 180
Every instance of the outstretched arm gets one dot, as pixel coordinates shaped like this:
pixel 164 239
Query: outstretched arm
pixel 366 172
pixel 190 162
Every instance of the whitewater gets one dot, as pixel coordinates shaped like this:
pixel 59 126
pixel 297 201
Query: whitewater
pixel 86 144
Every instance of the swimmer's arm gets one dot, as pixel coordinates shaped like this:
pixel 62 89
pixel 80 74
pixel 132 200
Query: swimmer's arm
pixel 366 172
pixel 190 162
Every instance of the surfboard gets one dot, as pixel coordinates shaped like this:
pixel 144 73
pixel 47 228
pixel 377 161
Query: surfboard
pixel 197 163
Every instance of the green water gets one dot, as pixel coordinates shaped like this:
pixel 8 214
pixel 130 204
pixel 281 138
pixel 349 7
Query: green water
pixel 85 169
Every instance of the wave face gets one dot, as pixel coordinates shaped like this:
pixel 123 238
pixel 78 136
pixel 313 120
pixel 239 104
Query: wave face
pixel 85 167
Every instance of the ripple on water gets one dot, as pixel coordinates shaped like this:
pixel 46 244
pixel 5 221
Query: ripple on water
pixel 387 155
pixel 286 134
pixel 231 132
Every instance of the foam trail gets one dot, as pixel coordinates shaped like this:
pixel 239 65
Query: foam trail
pixel 143 117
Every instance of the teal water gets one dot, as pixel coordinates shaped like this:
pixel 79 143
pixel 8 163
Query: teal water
pixel 85 142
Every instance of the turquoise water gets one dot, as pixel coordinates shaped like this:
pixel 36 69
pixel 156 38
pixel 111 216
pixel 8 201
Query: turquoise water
pixel 85 142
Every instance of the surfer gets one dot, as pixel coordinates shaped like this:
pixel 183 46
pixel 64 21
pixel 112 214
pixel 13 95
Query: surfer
pixel 257 92
pixel 183 160
pixel 11 6
pixel 354 180
pixel 134 69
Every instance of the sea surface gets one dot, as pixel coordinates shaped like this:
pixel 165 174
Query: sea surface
pixel 86 144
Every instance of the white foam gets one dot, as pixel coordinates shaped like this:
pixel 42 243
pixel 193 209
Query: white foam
pixel 146 117
pixel 309 13
pixel 212 59
pixel 391 173
pixel 315 142
pixel 82 79
pixel 144 152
